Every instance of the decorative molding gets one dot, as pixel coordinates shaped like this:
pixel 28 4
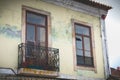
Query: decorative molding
pixel 76 77
pixel 66 76
pixel 105 47
pixel 63 76
pixel 74 47
pixel 88 78
pixel 37 72
pixel 73 5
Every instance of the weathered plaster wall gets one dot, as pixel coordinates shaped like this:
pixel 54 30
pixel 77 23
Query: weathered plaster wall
pixel 10 31
pixel 10 34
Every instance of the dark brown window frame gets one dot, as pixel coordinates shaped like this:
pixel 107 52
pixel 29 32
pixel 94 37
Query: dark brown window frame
pixel 76 67
pixel 83 48
pixel 37 11
pixel 38 25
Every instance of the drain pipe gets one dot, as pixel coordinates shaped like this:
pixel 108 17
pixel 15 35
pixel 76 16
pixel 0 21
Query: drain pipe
pixel 104 46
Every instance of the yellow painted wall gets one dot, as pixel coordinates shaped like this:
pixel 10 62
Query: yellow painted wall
pixel 11 18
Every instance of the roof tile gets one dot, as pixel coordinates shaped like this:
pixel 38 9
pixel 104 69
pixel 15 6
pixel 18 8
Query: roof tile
pixel 94 3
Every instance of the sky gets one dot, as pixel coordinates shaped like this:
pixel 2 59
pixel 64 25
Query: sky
pixel 113 31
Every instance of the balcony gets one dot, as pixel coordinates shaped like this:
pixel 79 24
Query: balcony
pixel 37 59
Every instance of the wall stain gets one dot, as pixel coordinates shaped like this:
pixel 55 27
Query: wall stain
pixel 62 31
pixel 10 31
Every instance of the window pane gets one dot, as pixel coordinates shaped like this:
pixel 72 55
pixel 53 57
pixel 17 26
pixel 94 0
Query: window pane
pixel 82 30
pixel 79 42
pixel 30 33
pixel 87 54
pixel 36 19
pixel 41 36
pixel 79 52
pixel 89 61
pixel 29 48
pixel 80 60
pixel 87 43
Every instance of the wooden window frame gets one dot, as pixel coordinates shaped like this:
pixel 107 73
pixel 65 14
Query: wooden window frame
pixel 83 46
pixel 39 12
pixel 81 67
pixel 36 26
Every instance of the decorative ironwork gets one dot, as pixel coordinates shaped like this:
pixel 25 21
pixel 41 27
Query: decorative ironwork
pixel 38 57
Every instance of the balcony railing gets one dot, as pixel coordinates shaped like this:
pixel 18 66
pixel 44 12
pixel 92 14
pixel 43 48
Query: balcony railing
pixel 38 57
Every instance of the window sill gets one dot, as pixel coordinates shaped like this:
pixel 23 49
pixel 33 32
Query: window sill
pixel 86 68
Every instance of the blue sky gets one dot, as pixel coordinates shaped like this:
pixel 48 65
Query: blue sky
pixel 113 31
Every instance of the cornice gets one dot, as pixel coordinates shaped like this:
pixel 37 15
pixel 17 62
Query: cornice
pixel 77 6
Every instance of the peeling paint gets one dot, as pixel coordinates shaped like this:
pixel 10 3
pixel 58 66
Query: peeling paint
pixel 62 33
pixel 10 31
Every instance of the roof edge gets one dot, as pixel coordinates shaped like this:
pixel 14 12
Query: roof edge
pixel 95 4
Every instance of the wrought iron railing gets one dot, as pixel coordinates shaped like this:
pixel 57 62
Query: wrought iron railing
pixel 38 57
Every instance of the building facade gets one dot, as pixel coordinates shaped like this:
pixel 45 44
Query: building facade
pixel 61 39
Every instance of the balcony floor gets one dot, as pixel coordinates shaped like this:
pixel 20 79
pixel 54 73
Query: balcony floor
pixel 37 72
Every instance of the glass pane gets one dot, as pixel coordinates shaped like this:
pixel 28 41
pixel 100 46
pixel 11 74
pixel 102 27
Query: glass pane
pixel 36 19
pixel 79 52
pixel 89 61
pixel 87 54
pixel 41 36
pixel 82 30
pixel 79 42
pixel 29 49
pixel 30 33
pixel 80 60
pixel 87 43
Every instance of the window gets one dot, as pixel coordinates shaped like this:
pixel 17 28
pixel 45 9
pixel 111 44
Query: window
pixel 36 28
pixel 84 56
